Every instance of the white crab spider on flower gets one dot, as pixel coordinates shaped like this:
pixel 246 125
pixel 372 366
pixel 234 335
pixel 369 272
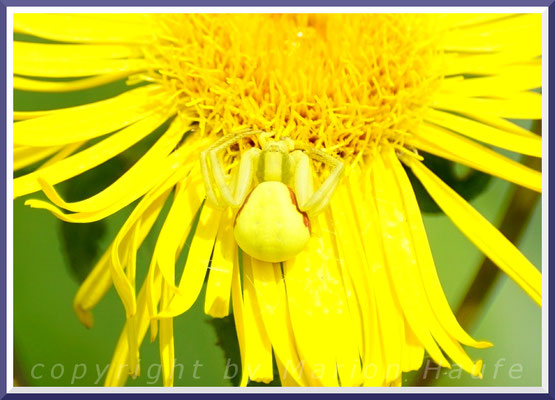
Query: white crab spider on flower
pixel 273 219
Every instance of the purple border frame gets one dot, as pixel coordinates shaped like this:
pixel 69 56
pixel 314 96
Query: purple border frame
pixel 274 3
pixel 215 3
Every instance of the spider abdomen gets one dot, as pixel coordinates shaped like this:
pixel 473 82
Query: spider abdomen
pixel 269 226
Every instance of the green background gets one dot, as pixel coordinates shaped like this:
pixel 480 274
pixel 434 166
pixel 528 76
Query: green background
pixel 49 338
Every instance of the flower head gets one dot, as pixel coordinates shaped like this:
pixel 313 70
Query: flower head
pixel 362 302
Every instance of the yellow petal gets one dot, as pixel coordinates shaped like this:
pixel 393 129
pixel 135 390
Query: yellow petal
pixel 449 145
pixel 117 372
pixel 317 302
pixel 172 169
pixel 382 320
pixel 93 288
pixel 413 351
pixel 123 244
pixel 313 318
pixel 25 156
pixel 167 348
pixel 405 274
pixel 481 232
pixel 347 340
pixel 424 257
pixel 137 180
pixel 133 366
pixel 521 105
pixel 356 308
pixel 456 20
pixel 401 262
pixel 153 294
pixel 218 288
pixel 239 317
pixel 65 152
pixel 517 32
pixel 184 207
pixel 131 272
pixel 21 115
pixel 272 301
pixel 284 376
pixel 84 27
pixel 197 263
pixel 88 158
pixel 35 85
pixel 530 145
pixel 179 221
pixel 75 124
pixel 61 61
pixel 503 84
pixel 168 177
pixel 39 52
pixel 258 356
pixel 97 283
pixel 78 68
pixel 491 63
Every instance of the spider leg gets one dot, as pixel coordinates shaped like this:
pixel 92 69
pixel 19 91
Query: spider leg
pixel 245 175
pixel 302 176
pixel 215 178
pixel 321 197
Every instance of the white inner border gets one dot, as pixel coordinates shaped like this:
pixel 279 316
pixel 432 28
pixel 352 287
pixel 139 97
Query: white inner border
pixel 9 204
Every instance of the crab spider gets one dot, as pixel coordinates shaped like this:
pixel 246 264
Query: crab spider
pixel 273 221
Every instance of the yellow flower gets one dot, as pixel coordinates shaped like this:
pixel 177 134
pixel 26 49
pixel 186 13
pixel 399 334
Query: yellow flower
pixel 362 302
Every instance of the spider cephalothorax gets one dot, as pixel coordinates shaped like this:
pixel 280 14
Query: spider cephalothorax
pixel 273 219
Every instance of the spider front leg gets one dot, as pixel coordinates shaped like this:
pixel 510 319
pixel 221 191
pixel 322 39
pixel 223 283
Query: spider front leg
pixel 215 178
pixel 314 203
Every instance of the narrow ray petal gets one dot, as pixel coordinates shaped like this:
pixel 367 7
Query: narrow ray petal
pixel 347 338
pixel 307 281
pixel 521 105
pixel 39 52
pixel 405 271
pixel 491 63
pixel 218 288
pixel 272 301
pixel 35 85
pixel 79 123
pixel 425 260
pixel 118 371
pixel 97 283
pixel 529 145
pixel 258 357
pixel 78 68
pixel 448 145
pixel 90 157
pixel 167 178
pixel 83 27
pixel 131 272
pixel 197 263
pixel 401 263
pixel 513 33
pixel 240 322
pixel 25 156
pixel 137 180
pixel 504 84
pixel 481 232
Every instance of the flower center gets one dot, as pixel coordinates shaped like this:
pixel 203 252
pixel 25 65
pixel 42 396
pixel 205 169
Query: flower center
pixel 343 82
